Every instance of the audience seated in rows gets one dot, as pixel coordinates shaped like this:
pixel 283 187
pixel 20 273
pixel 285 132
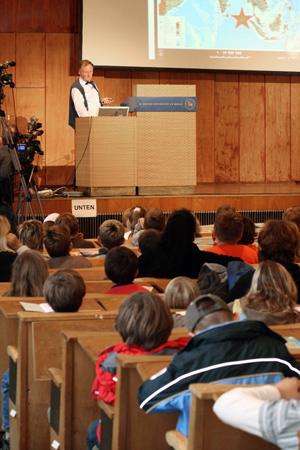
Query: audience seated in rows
pixel 121 267
pixel 176 254
pixel 271 412
pixel 145 323
pixel 111 234
pixel 70 221
pixel 179 293
pixel 30 271
pixel 272 297
pixel 63 291
pixel 228 230
pixel 223 349
pixel 278 241
pixel 58 245
pixel 154 220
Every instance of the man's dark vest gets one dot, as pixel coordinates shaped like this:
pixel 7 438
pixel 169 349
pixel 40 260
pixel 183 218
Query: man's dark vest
pixel 72 111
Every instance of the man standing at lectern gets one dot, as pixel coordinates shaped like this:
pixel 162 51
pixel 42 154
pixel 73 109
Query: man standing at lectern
pixel 85 98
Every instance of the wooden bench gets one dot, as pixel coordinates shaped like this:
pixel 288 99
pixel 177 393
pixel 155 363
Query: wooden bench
pixel 74 418
pixel 40 347
pixel 9 308
pixel 207 431
pixel 89 274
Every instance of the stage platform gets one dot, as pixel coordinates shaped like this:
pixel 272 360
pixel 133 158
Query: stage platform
pixel 207 197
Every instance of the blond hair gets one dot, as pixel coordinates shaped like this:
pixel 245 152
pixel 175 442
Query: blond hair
pixel 4 230
pixel 180 292
pixel 272 289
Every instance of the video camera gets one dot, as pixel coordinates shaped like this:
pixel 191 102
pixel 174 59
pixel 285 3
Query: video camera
pixel 6 78
pixel 28 145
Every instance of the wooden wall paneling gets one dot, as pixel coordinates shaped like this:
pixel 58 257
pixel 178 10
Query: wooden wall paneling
pixel 278 131
pixel 227 128
pixel 59 136
pixel 295 129
pixel 30 59
pixel 30 17
pixel 31 102
pixel 8 53
pixel 61 16
pixel 172 77
pixel 144 77
pixel 117 84
pixel 252 128
pixel 7 17
pixel 205 91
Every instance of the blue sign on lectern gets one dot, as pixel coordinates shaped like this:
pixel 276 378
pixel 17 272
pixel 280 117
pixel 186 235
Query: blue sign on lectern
pixel 136 104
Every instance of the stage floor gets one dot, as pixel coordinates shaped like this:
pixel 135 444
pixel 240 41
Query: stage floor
pixel 207 197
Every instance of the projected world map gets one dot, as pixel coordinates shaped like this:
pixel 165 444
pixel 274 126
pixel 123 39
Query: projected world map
pixel 229 24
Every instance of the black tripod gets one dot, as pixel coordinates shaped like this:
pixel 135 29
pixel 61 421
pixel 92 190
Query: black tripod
pixel 26 182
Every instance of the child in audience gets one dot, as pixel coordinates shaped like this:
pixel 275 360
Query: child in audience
pixel 249 233
pixel 292 214
pixel 70 221
pixel 64 290
pixel 121 267
pixel 272 297
pixel 148 240
pixel 228 230
pixel 49 221
pixel 145 323
pixel 154 219
pixel 134 215
pixel 111 234
pixel 179 293
pixel 29 274
pixel 58 245
pixel 270 411
pixel 31 233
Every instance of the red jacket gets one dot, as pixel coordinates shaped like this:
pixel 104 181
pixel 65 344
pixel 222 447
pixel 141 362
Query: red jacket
pixel 104 386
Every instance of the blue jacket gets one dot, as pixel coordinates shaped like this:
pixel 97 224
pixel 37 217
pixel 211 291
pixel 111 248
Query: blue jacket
pixel 242 352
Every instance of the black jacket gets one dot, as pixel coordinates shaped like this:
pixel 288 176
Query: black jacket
pixel 242 352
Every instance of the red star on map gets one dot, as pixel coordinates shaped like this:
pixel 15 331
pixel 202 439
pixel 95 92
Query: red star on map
pixel 242 19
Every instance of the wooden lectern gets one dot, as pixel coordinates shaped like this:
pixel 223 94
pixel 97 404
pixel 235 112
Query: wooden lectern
pixel 153 150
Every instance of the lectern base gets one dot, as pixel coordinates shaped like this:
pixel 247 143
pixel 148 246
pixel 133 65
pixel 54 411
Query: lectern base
pixel 166 190
pixel 109 191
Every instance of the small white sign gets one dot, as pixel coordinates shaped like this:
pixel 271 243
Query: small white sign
pixel 86 207
pixel 55 444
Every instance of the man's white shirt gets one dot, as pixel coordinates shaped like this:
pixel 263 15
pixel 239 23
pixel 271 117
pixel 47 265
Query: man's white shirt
pixel 92 98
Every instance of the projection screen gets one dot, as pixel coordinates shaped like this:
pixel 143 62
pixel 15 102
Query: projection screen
pixel 247 35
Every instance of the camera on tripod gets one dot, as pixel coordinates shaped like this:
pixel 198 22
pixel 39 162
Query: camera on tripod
pixel 6 78
pixel 28 145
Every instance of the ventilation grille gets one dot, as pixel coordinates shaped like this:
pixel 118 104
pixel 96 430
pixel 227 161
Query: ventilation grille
pixel 90 225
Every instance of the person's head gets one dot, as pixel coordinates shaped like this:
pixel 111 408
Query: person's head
pixel 229 227
pixel 292 214
pixel 4 230
pixel 180 292
pixel 125 218
pixel 278 241
pixel 86 69
pixel 180 228
pixel 154 219
pixel 272 289
pixel 49 221
pixel 29 274
pixel 134 215
pixel 205 311
pixel 57 241
pixel 31 233
pixel 121 265
pixel 249 233
pixel 70 221
pixel 111 234
pixel 144 320
pixel 64 290
pixel 225 208
pixel 148 240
